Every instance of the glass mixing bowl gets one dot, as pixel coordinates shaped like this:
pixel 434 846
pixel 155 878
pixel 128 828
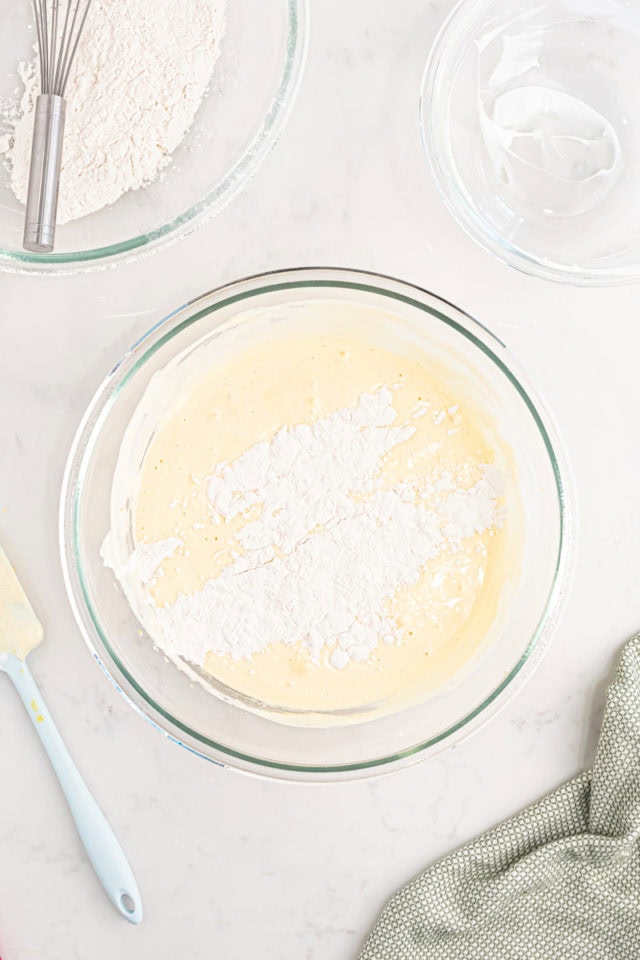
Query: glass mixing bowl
pixel 531 125
pixel 254 84
pixel 224 731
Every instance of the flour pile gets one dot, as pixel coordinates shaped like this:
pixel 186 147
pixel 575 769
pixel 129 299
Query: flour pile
pixel 326 542
pixel 140 73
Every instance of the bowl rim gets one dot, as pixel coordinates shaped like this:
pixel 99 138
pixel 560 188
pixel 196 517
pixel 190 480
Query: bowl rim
pixel 432 118
pixel 243 289
pixel 265 138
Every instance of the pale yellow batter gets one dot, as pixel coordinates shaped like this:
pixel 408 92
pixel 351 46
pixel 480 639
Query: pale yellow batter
pixel 20 630
pixel 287 380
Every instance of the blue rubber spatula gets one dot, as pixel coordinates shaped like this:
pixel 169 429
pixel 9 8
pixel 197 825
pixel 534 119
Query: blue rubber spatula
pixel 21 632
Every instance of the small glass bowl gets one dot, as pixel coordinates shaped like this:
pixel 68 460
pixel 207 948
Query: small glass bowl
pixel 531 125
pixel 223 730
pixel 253 86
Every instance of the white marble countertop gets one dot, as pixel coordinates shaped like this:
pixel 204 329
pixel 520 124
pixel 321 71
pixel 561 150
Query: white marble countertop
pixel 231 866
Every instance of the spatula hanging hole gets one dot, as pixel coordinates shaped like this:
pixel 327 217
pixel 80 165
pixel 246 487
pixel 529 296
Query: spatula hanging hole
pixel 127 903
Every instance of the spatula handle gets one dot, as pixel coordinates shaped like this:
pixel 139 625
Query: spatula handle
pixel 103 849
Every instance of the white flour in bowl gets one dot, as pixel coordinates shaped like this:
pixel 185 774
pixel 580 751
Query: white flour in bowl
pixel 140 73
pixel 325 543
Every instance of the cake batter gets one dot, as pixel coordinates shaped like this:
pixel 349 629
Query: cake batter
pixel 270 574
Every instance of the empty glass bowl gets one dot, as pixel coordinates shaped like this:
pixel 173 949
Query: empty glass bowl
pixel 254 83
pixel 531 124
pixel 221 728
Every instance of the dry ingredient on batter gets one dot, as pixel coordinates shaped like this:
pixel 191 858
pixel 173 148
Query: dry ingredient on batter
pixel 326 542
pixel 307 514
pixel 141 71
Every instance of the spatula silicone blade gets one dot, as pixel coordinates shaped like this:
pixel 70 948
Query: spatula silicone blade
pixel 20 632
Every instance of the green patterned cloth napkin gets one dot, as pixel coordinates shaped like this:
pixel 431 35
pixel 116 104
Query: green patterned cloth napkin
pixel 559 881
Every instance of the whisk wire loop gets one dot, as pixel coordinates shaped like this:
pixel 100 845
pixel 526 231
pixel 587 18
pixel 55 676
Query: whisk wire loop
pixel 71 50
pixel 58 27
pixel 63 41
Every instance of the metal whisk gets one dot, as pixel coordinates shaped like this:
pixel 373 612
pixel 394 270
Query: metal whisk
pixel 58 38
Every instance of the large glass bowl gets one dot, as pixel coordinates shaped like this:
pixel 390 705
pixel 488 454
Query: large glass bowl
pixel 531 126
pixel 254 84
pixel 226 732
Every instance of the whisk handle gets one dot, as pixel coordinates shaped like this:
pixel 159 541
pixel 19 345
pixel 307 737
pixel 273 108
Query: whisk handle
pixel 44 174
